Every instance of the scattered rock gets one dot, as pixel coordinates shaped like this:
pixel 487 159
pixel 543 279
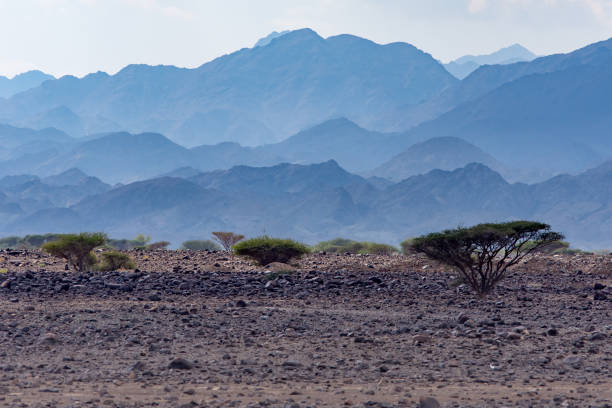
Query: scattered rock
pixel 292 364
pixel 599 296
pixel 49 339
pixel 573 361
pixel 462 318
pixel 421 339
pixel 428 402
pixel 597 336
pixel 180 364
pixel 514 336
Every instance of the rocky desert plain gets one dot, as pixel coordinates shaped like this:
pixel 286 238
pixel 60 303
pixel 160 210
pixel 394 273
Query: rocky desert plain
pixel 209 329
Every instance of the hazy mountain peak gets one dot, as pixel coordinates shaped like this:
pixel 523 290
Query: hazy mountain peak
pixel 501 56
pixel 22 82
pixel 70 177
pixel 262 42
pixel 295 37
pixel 463 66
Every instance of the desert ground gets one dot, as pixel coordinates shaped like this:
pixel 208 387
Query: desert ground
pixel 208 329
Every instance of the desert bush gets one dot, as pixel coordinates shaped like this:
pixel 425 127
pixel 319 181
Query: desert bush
pixel 227 239
pixel 28 242
pixel 9 242
pixel 406 246
pixel 112 261
pixel 201 245
pixel 158 245
pixel 376 248
pixel 76 248
pixel 338 245
pixel 482 253
pixel 343 245
pixel 38 240
pixel 265 250
pixel 140 241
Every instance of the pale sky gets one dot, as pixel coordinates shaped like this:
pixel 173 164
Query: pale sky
pixel 82 36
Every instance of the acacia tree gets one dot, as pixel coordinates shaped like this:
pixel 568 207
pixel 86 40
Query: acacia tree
pixel 227 239
pixel 483 253
pixel 77 249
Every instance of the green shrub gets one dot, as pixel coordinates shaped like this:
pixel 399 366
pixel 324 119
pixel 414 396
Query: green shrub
pixel 201 245
pixel 76 248
pixel 227 239
pixel 266 250
pixel 343 245
pixel 112 261
pixel 482 253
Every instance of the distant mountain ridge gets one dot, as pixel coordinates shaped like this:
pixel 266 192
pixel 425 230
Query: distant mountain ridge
pixel 464 66
pixel 262 42
pixel 22 82
pixel 315 202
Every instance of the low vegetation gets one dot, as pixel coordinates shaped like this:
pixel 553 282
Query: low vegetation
pixel 406 246
pixel 77 249
pixel 265 250
pixel 201 245
pixel 113 261
pixel 158 245
pixel 483 253
pixel 28 242
pixel 343 245
pixel 140 242
pixel 227 239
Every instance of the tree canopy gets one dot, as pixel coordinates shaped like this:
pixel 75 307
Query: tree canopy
pixel 483 253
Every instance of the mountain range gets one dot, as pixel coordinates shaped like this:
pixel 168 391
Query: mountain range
pixel 313 138
pixel 307 202
pixel 253 96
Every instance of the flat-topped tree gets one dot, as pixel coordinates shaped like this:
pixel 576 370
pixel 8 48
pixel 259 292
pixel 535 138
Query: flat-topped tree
pixel 483 253
pixel 77 249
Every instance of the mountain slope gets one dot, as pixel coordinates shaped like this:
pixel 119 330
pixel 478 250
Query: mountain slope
pixel 252 96
pixel 354 148
pixel 443 153
pixel 15 141
pixel 558 120
pixel 489 77
pixel 114 157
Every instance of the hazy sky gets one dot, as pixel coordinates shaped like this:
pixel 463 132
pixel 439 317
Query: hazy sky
pixel 82 36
